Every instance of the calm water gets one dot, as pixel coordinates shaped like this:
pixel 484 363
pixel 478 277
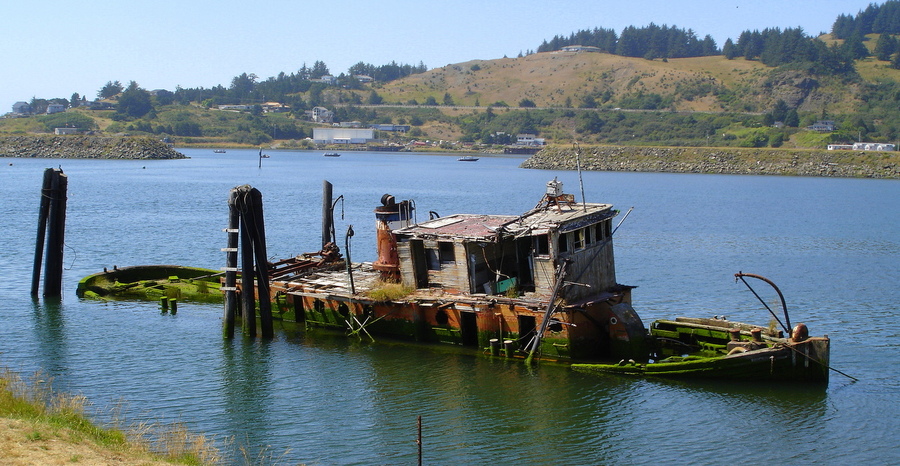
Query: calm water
pixel 832 245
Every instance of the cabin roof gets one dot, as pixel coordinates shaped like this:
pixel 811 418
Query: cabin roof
pixel 563 217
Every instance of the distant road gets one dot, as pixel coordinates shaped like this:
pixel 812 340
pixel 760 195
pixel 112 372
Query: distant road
pixel 574 109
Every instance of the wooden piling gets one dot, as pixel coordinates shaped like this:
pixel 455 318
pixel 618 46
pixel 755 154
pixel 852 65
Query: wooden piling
pixel 495 347
pixel 231 258
pixel 43 212
pixel 52 226
pixel 248 290
pixel 262 266
pixel 508 349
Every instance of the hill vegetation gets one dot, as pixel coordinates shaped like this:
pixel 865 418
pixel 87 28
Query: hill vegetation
pixel 654 85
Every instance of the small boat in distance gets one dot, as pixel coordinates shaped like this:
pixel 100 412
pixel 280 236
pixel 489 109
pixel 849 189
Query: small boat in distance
pixel 332 154
pixel 468 158
pixel 219 151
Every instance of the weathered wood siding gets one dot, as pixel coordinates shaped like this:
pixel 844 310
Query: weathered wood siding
pixel 544 271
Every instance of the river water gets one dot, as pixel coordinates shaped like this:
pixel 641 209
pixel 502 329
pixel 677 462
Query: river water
pixel 832 245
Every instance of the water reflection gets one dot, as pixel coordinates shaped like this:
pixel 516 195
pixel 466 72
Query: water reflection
pixel 246 389
pixel 50 332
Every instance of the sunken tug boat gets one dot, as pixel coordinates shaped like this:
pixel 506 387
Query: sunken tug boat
pixel 541 284
pixel 537 285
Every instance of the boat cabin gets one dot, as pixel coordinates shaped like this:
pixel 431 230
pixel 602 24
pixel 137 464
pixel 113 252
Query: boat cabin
pixel 506 254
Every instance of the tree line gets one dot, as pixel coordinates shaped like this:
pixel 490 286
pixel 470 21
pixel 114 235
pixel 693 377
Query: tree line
pixel 875 19
pixel 648 42
pixel 245 88
pixel 776 47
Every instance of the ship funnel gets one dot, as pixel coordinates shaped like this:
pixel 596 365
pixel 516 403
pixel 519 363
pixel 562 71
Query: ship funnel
pixel 390 216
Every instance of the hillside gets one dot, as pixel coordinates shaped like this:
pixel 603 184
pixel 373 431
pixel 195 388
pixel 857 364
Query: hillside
pixel 593 98
pixel 549 79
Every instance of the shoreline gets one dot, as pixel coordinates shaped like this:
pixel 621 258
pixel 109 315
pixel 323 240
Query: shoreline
pixel 719 160
pixel 86 147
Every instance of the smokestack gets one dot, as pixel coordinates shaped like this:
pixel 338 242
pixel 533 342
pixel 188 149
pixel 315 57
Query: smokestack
pixel 389 217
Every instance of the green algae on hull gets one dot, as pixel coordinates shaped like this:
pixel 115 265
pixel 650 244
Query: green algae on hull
pixel 152 282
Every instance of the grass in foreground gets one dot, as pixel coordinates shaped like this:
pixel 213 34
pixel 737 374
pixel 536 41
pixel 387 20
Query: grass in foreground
pixel 41 426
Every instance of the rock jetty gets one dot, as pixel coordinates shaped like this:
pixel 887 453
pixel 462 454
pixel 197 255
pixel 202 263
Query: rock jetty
pixel 86 147
pixel 736 161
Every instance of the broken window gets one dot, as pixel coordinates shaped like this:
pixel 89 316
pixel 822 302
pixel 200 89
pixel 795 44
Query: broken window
pixel 542 245
pixel 579 239
pixel 447 255
pixel 564 242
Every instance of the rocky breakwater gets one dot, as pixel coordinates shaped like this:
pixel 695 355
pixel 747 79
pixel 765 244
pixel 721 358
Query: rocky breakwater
pixel 86 147
pixel 737 161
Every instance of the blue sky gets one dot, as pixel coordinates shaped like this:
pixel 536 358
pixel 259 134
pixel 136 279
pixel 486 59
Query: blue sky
pixel 54 48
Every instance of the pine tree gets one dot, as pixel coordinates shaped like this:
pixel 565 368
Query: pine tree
pixel 885 47
pixel 729 50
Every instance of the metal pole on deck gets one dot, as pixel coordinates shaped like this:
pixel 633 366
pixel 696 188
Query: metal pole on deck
pixel 327 219
pixel 349 260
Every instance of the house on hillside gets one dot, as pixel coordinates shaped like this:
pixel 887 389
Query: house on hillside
pixel 21 108
pixel 822 126
pixel 580 48
pixel 275 107
pixel 327 79
pixel 98 105
pixel 320 115
pixel 55 108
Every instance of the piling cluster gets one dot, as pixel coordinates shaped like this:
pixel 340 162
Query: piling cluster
pixel 791 162
pixel 86 147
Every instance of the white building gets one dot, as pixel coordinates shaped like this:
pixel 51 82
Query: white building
pixel 877 146
pixel 337 135
pixel 238 108
pixel 872 146
pixel 55 108
pixel 527 139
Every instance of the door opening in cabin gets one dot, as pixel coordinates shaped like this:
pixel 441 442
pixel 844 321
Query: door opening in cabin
pixel 469 327
pixel 527 330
